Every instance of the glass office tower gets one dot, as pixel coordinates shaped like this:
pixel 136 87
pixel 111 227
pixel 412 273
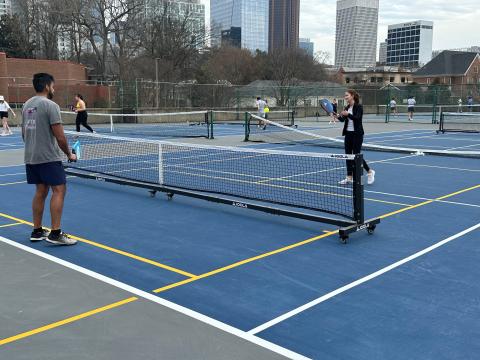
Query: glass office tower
pixel 247 18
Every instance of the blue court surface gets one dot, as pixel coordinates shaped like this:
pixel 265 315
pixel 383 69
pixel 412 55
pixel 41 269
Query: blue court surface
pixel 409 291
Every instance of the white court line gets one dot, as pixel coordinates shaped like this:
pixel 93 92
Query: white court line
pixel 156 299
pixel 3 175
pixel 410 138
pixel 12 144
pixel 421 198
pixel 358 282
pixel 431 166
pixel 419 147
pixel 379 137
pixel 466 146
pixel 14 165
pixel 398 133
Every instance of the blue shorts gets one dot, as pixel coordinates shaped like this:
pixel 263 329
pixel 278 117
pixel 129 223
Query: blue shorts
pixel 51 174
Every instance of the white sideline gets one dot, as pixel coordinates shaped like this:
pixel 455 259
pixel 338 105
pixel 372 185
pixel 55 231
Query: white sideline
pixel 168 304
pixel 358 282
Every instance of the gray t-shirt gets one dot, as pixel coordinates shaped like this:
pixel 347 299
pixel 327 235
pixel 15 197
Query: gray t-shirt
pixel 39 113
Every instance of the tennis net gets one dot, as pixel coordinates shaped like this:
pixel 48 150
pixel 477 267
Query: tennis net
pixel 284 117
pixel 163 125
pixel 289 180
pixel 422 113
pixel 274 133
pixel 468 122
pixel 459 108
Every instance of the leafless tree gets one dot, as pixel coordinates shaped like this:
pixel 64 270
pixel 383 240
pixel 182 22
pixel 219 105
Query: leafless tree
pixel 100 22
pixel 323 57
pixel 288 68
pixel 173 37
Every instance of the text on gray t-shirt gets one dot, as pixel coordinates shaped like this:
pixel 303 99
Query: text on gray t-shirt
pixel 39 113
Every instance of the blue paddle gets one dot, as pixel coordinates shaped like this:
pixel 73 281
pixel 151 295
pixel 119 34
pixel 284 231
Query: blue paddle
pixel 76 149
pixel 327 106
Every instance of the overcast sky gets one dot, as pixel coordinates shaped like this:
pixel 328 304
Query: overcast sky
pixel 456 22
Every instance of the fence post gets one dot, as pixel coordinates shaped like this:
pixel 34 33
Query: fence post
pixel 136 95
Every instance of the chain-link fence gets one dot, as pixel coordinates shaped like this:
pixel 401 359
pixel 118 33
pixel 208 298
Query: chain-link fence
pixel 143 96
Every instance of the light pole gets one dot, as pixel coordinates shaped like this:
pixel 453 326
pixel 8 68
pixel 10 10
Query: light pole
pixel 157 101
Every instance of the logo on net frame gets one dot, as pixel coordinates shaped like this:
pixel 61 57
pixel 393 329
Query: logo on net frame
pixel 240 205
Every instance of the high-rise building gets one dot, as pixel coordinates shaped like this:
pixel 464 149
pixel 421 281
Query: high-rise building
pixel 284 23
pixel 307 45
pixel 410 44
pixel 382 55
pixel 356 33
pixel 5 7
pixel 247 19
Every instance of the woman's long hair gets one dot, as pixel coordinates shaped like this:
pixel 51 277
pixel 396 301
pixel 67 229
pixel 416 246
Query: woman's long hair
pixel 355 95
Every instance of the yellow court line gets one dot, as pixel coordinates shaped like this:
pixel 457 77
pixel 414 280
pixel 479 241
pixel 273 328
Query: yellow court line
pixel 12 224
pixel 66 321
pixel 305 242
pixel 246 261
pixel 208 274
pixel 411 207
pixel 114 250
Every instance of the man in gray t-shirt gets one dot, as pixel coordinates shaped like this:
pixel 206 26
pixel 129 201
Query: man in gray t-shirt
pixel 45 148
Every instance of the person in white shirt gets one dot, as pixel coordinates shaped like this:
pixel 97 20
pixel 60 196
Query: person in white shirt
pixel 411 107
pixel 4 108
pixel 261 105
pixel 460 105
pixel 393 107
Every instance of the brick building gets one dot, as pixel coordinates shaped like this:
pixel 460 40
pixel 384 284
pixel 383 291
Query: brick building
pixel 451 68
pixel 70 78
pixel 380 75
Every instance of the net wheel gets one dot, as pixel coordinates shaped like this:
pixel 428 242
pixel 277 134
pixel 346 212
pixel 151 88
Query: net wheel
pixel 343 239
pixel 371 229
pixel 170 196
pixel 152 193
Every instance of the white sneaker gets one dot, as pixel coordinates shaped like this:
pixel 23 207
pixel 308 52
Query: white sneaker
pixel 345 181
pixel 371 177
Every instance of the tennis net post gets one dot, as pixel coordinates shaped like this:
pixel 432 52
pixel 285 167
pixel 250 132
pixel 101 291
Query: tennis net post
pixel 358 190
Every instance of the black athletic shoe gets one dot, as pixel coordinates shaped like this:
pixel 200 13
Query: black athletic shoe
pixel 39 235
pixel 61 239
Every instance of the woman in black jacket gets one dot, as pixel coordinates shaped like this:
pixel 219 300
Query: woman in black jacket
pixel 352 117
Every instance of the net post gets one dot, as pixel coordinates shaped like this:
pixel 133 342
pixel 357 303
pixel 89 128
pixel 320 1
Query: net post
pixel 111 123
pixel 358 191
pixel 247 127
pixel 210 121
pixel 160 165
pixel 442 122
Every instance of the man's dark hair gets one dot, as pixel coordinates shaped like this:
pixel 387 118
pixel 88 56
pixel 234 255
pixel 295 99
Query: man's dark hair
pixel 41 80
pixel 258 98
